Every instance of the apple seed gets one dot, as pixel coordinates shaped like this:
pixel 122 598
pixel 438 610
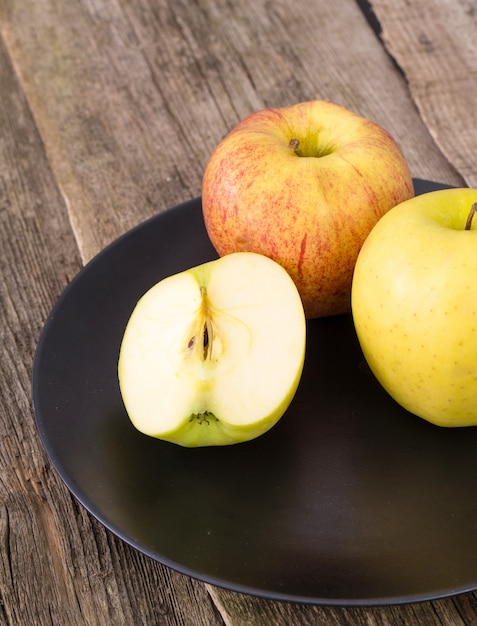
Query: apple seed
pixel 473 210
pixel 205 341
pixel 206 346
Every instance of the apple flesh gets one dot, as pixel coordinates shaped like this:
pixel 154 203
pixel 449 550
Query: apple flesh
pixel 213 355
pixel 414 302
pixel 304 185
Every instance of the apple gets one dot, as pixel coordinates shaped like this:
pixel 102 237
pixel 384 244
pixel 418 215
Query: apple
pixel 304 185
pixel 414 304
pixel 213 355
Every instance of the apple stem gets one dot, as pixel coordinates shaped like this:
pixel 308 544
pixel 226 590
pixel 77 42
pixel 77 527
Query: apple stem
pixel 294 144
pixel 473 210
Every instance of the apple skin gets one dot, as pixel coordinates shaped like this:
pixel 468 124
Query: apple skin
pixel 214 355
pixel 414 303
pixel 310 209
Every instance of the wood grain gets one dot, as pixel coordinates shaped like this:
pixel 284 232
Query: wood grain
pixel 131 98
pixel 436 47
pixel 238 609
pixel 108 113
pixel 57 565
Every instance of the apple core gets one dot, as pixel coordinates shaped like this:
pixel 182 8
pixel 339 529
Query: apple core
pixel 213 355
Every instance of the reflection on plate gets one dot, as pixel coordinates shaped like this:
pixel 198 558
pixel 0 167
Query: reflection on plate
pixel 349 500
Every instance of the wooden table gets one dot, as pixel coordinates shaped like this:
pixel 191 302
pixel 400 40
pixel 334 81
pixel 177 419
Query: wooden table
pixel 108 114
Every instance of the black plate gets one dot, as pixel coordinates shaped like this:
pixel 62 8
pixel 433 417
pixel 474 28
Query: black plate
pixel 349 500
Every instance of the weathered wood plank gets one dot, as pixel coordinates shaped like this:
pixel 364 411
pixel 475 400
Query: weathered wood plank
pixel 131 98
pixel 237 609
pixel 57 565
pixel 436 47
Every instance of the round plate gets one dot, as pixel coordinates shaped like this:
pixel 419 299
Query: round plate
pixel 349 500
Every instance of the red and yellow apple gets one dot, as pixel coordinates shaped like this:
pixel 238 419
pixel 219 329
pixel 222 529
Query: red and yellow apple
pixel 214 355
pixel 414 303
pixel 304 185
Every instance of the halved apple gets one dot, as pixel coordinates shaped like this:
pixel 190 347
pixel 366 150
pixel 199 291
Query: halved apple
pixel 214 355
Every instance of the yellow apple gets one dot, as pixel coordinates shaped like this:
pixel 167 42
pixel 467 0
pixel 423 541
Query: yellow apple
pixel 304 185
pixel 213 355
pixel 414 303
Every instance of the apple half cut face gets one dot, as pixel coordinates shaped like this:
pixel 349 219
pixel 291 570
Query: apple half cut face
pixel 214 355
